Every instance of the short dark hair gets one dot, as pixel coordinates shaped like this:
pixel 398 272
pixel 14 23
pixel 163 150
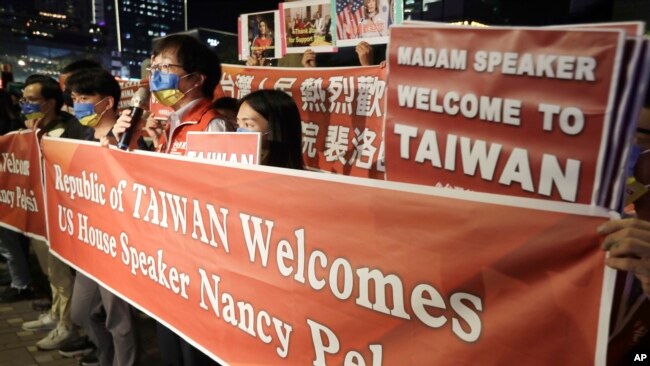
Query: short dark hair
pixel 228 103
pixel 279 109
pixel 95 81
pixel 80 65
pixel 50 89
pixel 194 56
pixel 227 107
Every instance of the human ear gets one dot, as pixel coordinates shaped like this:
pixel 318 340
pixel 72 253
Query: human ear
pixel 201 80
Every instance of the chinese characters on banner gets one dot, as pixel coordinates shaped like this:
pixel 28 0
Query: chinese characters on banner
pixel 521 113
pixel 21 186
pixel 336 268
pixel 342 112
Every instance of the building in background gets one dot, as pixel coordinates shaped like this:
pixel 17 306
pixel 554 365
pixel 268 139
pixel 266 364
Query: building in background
pixel 223 43
pixel 133 24
pixel 40 36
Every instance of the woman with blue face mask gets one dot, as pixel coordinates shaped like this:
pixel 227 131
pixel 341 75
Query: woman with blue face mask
pixel 274 115
pixel 183 75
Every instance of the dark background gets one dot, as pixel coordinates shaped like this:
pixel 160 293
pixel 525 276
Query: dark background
pixel 222 14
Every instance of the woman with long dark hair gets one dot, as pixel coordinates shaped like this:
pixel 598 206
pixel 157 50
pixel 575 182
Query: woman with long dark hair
pixel 276 117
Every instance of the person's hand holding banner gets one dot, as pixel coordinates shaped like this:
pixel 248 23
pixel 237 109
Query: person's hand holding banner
pixel 365 53
pixel 256 60
pixel 628 244
pixel 309 59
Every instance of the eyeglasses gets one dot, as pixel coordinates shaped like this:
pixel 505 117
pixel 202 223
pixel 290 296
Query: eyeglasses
pixel 164 68
pixel 23 101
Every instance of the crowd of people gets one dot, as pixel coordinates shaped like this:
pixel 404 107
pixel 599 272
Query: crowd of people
pixel 183 75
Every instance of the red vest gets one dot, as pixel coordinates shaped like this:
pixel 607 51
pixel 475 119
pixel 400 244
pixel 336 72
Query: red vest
pixel 196 119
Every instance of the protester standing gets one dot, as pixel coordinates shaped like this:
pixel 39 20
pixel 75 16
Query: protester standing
pixel 183 75
pixel 107 319
pixel 42 102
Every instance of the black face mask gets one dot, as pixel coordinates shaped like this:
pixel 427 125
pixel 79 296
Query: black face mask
pixel 67 98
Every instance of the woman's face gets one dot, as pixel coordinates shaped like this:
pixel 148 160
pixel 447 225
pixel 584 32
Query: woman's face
pixel 371 6
pixel 262 26
pixel 249 119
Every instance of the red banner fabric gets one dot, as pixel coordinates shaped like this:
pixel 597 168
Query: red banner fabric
pixel 342 111
pixel 21 187
pixel 261 265
pixel 522 112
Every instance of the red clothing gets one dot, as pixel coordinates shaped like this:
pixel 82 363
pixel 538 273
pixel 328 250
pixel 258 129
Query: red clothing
pixel 196 119
pixel 263 47
pixel 262 43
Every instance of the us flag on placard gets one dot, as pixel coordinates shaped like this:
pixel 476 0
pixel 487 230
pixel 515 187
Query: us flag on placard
pixel 349 14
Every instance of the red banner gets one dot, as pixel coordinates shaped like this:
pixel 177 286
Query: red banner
pixel 158 110
pixel 342 111
pixel 271 266
pixel 21 186
pixel 231 147
pixel 521 112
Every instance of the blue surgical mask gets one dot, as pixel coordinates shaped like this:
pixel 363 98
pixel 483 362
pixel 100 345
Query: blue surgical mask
pixel 164 87
pixel 163 81
pixel 244 129
pixel 635 152
pixel 82 110
pixel 85 113
pixel 32 110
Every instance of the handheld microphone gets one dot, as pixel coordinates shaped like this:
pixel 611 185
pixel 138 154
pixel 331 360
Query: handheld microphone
pixel 139 102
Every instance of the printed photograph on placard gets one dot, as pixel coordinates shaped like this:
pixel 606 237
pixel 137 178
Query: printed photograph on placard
pixel 366 20
pixel 259 35
pixel 307 25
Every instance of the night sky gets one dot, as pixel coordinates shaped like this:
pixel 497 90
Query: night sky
pixel 222 14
